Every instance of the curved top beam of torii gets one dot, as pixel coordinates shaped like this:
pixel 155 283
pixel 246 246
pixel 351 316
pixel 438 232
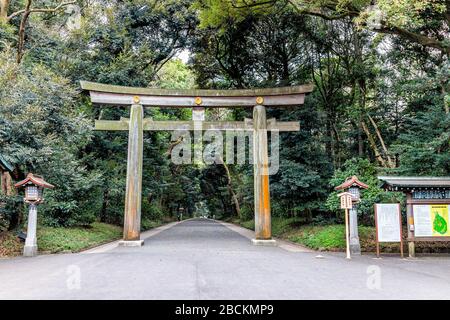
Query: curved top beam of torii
pixel 119 95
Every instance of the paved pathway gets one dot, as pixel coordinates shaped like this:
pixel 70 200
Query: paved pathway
pixel 203 259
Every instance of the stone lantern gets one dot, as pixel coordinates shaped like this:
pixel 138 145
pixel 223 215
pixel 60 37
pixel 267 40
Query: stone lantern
pixel 34 189
pixel 353 186
pixel 180 213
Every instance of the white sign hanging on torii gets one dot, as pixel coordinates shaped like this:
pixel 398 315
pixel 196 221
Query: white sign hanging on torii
pixel 198 114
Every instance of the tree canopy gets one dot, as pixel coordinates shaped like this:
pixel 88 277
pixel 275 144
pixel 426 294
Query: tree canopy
pixel 380 103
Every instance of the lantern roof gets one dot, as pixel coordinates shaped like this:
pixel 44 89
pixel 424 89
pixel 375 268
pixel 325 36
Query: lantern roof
pixel 34 179
pixel 350 182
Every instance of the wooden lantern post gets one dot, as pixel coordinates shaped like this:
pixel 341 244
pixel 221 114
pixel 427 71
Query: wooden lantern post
pixel 346 204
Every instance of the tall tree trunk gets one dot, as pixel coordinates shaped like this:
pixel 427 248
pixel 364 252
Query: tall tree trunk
pixel 337 145
pixel 8 190
pixel 360 139
pixel 4 6
pixel 329 143
pixel 17 215
pixel 373 145
pixel 14 221
pixel 3 189
pixel 23 23
pixel 309 216
pixel 391 163
pixel 8 184
pixel 234 197
pixel 444 96
pixel 360 142
pixel 105 203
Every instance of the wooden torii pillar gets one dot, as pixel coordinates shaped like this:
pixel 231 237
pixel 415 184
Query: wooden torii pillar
pixel 137 98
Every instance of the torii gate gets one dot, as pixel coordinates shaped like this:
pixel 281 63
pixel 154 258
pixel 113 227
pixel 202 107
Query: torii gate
pixel 137 98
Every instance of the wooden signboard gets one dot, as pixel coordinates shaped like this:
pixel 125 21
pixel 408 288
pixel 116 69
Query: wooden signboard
pixel 346 200
pixel 346 203
pixel 388 224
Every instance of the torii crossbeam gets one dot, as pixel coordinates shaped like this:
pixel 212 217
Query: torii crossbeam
pixel 138 98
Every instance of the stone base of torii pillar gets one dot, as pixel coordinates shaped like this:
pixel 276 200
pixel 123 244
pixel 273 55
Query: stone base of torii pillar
pixel 131 243
pixel 267 243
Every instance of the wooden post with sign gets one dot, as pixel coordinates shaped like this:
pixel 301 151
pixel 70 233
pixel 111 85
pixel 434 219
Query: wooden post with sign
pixel 347 234
pixel 346 204
pixel 388 224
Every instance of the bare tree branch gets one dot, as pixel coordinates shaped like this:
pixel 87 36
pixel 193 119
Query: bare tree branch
pixel 390 163
pixel 61 5
pixel 23 22
pixel 329 12
pixel 253 4
pixel 415 37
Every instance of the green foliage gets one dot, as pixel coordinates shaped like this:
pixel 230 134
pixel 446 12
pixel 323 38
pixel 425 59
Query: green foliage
pixel 405 18
pixel 42 132
pixel 380 104
pixel 425 149
pixel 408 13
pixel 330 237
pixel 10 245
pixel 151 211
pixel 247 213
pixel 324 238
pixel 280 225
pixel 283 225
pixel 149 224
pixel 9 208
pixel 250 224
pixel 131 44
pixel 6 36
pixel 54 240
pixel 75 200
pixel 175 75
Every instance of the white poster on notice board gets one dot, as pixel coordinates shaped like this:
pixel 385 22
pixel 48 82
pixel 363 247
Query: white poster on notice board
pixel 388 222
pixel 431 220
pixel 422 221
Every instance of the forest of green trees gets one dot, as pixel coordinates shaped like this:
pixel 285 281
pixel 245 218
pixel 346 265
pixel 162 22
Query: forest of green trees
pixel 380 104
